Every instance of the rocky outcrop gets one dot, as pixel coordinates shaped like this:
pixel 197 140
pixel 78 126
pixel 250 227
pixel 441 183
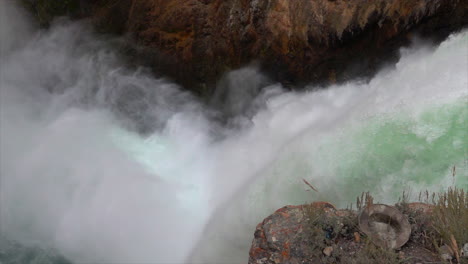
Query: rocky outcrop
pixel 195 41
pixel 319 233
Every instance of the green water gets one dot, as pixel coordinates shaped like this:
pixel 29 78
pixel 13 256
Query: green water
pixel 385 154
pixel 416 150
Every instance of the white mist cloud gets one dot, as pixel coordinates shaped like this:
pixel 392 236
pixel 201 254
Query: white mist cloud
pixel 64 181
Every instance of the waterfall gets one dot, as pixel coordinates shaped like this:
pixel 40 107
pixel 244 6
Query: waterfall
pixel 78 174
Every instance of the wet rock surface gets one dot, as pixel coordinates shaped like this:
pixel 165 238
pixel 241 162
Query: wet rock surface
pixel 324 41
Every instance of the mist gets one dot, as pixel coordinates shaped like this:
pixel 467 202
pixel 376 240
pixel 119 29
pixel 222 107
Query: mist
pixel 110 164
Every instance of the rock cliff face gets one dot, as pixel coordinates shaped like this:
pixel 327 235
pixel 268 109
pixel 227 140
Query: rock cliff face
pixel 298 41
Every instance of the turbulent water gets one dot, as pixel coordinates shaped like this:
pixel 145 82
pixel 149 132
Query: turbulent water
pixel 77 176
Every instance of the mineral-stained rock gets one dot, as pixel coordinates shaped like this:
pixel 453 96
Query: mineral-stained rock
pixel 320 233
pixel 273 235
pixel 283 237
pixel 195 41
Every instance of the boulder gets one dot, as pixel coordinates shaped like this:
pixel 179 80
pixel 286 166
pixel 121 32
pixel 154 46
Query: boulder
pixel 286 235
pixel 385 225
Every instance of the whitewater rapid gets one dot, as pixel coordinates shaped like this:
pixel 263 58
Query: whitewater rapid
pixel 77 175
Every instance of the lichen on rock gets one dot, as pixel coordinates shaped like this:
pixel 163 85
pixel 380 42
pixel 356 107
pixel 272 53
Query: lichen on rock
pixel 319 233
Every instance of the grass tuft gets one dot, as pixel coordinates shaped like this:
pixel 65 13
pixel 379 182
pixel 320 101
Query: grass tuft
pixel 450 219
pixel 372 254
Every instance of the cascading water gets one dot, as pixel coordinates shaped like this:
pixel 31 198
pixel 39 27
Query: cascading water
pixel 76 176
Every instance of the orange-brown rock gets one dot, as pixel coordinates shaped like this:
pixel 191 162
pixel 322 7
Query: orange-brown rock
pixel 299 40
pixel 195 41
